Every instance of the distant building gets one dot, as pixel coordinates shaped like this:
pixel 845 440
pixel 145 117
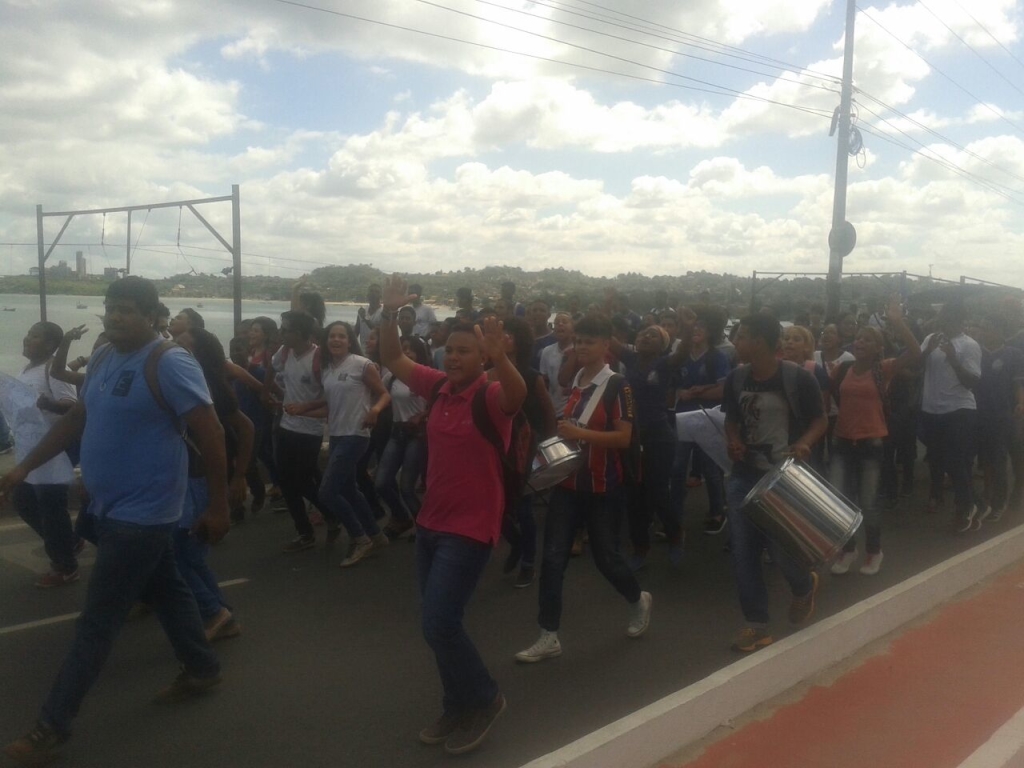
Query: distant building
pixel 110 273
pixel 33 271
pixel 61 272
pixel 81 269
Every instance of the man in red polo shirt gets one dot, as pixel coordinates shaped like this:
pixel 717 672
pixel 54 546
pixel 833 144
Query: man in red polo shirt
pixel 460 520
pixel 599 416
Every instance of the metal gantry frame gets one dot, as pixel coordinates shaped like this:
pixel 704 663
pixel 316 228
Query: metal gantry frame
pixel 234 247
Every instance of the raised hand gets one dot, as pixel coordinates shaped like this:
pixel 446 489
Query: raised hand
pixel 74 334
pixel 894 309
pixel 492 338
pixel 395 294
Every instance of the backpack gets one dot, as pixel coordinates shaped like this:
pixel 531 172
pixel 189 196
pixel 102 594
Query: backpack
pixel 517 459
pixel 790 375
pixel 876 376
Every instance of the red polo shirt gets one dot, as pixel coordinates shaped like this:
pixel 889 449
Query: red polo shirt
pixel 465 490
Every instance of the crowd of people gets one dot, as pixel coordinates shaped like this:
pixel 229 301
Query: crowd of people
pixel 431 426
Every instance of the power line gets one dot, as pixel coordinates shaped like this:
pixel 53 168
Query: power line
pixel 989 107
pixel 985 30
pixel 719 90
pixel 719 46
pixel 940 136
pixel 673 39
pixel 971 48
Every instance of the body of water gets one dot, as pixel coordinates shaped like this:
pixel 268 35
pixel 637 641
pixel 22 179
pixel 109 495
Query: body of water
pixel 63 310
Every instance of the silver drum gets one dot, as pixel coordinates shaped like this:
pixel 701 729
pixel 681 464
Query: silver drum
pixel 798 509
pixel 555 460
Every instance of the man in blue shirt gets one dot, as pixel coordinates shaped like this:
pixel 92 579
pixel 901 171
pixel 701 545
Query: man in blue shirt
pixel 138 396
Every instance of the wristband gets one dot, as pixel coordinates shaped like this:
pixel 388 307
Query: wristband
pixel 388 315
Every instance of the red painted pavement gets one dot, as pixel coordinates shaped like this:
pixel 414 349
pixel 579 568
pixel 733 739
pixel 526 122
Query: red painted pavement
pixel 936 694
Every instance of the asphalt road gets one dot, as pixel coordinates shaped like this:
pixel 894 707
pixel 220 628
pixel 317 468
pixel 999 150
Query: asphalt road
pixel 331 670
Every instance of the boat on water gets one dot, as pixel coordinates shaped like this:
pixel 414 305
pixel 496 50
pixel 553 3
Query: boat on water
pixel 199 305
pixel 10 309
pixel 80 305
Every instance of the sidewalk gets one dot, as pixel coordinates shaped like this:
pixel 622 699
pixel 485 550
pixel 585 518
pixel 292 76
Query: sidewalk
pixel 934 694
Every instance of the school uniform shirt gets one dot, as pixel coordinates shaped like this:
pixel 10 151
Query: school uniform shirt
pixel 465 479
pixel 404 404
pixel 348 397
pixel 601 471
pixel 943 392
pixel 425 317
pixel 651 387
pixel 301 385
pixel 861 410
pixel 540 344
pixel 551 360
pixel 58 470
pixel 1001 373
pixel 709 368
pixel 766 423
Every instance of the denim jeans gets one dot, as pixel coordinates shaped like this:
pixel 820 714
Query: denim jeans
pixel 650 498
pixel 747 543
pixel 407 452
pixel 298 457
pixel 711 472
pixel 45 509
pixel 602 513
pixel 950 440
pixel 191 556
pixel 856 471
pixel 133 562
pixel 448 569
pixel 340 495
pixel 995 434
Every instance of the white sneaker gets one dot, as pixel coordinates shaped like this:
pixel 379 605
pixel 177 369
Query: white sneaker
pixel 871 564
pixel 546 647
pixel 357 550
pixel 843 563
pixel 640 619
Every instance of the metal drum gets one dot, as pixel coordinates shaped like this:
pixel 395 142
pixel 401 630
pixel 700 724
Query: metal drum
pixel 795 507
pixel 555 460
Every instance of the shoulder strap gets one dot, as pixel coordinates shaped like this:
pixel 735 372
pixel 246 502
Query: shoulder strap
pixel 151 371
pixel 598 396
pixel 841 371
pixel 483 422
pixel 740 374
pixel 790 377
pixel 101 354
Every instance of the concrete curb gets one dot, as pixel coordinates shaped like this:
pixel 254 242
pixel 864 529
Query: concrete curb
pixel 678 720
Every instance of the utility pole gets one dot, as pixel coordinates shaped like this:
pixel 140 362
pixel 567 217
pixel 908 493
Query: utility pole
pixel 842 237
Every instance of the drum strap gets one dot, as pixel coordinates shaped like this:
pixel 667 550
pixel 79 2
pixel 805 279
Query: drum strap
pixel 588 412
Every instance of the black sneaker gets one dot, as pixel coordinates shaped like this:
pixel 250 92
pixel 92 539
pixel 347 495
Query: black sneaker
pixel 474 727
pixel 525 577
pixel 300 544
pixel 186 685
pixel 39 746
pixel 715 525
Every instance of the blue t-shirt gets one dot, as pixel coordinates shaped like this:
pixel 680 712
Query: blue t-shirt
pixel 134 460
pixel 651 387
pixel 996 390
pixel 701 372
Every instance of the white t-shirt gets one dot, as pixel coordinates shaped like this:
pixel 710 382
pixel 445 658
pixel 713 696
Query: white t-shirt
pixel 404 403
pixel 58 470
pixel 550 363
pixel 348 397
pixel 300 385
pixel 424 318
pixel 943 392
pixel 366 324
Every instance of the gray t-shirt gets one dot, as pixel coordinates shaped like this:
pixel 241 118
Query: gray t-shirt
pixel 348 397
pixel 301 385
pixel 943 392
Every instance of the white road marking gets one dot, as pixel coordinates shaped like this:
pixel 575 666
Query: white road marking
pixel 1005 748
pixel 72 616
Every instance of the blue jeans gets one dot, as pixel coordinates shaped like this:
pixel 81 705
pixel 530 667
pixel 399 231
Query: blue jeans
pixel 45 509
pixel 407 452
pixel 856 470
pixel 711 472
pixel 602 513
pixel 747 543
pixel 340 496
pixel 133 562
pixel 191 553
pixel 448 568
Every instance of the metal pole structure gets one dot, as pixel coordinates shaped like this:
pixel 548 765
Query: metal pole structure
pixel 128 247
pixel 838 245
pixel 42 264
pixel 753 290
pixel 236 252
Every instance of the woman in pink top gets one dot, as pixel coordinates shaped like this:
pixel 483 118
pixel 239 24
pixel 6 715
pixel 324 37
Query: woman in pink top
pixel 460 520
pixel 860 389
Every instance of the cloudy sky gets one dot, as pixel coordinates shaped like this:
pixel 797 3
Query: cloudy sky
pixel 600 135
